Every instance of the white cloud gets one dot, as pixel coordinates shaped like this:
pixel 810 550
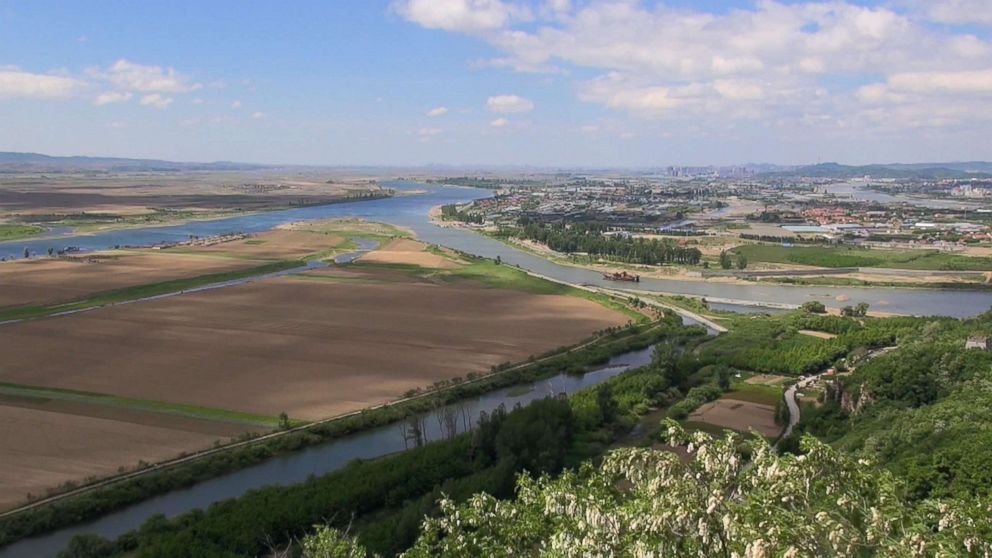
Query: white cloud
pixel 461 15
pixel 437 111
pixel 959 12
pixel 111 97
pixel 739 90
pixel 509 104
pixel 499 123
pixel 258 115
pixel 146 79
pixel 117 125
pixel 427 132
pixel 196 101
pixel 236 105
pixel 16 83
pixel 800 64
pixel 979 81
pixel 156 100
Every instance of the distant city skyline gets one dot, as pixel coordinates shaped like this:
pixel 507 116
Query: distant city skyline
pixel 540 83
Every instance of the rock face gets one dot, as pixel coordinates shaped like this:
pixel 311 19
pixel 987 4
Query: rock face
pixel 854 401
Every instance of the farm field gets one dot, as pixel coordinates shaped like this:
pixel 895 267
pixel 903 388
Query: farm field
pixel 309 348
pixel 124 200
pixel 821 256
pixel 175 374
pixel 49 281
pixel 43 449
pixel 408 252
pixel 738 415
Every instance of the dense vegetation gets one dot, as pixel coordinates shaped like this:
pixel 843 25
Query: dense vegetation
pixel 774 344
pixel 591 238
pixel 734 498
pixel 918 409
pixel 450 212
pixel 921 409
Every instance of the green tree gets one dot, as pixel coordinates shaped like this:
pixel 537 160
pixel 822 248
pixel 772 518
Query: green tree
pixel 814 307
pixel 725 260
pixel 735 497
pixel 741 261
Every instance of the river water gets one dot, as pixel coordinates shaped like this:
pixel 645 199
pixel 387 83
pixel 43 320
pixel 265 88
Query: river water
pixel 316 460
pixel 411 211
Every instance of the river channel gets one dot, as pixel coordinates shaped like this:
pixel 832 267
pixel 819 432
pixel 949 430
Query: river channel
pixel 411 211
pixel 318 460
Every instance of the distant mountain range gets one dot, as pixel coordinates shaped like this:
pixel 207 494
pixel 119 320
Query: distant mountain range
pixel 11 162
pixel 923 171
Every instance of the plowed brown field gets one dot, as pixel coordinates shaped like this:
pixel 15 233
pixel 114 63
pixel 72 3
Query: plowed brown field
pixel 310 348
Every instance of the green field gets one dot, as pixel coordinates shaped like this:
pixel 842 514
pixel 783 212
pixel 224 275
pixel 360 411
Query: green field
pixel 14 232
pixel 823 256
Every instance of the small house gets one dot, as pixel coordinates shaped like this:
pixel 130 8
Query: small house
pixel 980 342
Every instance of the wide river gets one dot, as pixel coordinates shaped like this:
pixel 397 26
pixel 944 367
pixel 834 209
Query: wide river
pixel 411 211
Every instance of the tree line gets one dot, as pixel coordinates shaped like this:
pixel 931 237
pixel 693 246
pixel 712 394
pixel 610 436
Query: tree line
pixel 591 238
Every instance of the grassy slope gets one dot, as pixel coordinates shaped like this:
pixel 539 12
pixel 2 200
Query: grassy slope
pixel 823 256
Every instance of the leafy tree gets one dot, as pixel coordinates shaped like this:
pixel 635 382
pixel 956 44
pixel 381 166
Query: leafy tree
pixel 608 408
pixel 734 497
pixel 725 260
pixel 87 546
pixel 741 261
pixel 813 307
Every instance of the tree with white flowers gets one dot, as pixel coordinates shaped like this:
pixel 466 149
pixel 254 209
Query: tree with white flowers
pixel 729 496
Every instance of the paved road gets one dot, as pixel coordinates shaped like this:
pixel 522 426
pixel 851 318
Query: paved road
pixel 790 394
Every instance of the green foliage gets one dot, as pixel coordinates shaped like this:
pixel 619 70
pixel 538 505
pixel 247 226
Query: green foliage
pixel 589 238
pixel 772 344
pixel 696 397
pixel 14 232
pixel 451 212
pixel 813 307
pixel 735 497
pixel 325 542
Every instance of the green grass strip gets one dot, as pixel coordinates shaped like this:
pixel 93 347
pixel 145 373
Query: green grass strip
pixel 14 232
pixel 147 405
pixel 144 291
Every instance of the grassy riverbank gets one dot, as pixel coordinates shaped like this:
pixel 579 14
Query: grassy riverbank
pixel 17 232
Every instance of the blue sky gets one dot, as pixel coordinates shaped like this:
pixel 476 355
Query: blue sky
pixel 548 83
